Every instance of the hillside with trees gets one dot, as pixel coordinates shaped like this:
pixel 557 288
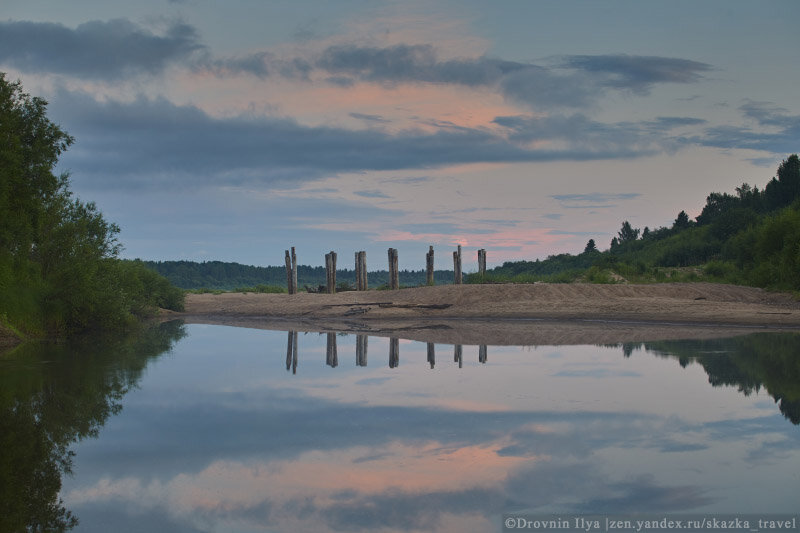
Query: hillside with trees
pixel 751 237
pixel 59 266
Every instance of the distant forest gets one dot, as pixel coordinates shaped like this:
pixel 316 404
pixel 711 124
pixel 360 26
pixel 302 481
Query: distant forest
pixel 751 237
pixel 231 276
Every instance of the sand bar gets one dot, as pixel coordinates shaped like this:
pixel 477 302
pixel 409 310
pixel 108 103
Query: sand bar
pixel 531 314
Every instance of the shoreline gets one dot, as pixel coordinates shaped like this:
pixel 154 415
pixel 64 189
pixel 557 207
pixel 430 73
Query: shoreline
pixel 529 314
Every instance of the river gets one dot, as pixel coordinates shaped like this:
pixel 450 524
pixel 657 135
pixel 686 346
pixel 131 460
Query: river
pixel 190 428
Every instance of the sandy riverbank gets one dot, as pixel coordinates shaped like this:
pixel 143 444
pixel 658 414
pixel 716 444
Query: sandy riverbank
pixel 512 314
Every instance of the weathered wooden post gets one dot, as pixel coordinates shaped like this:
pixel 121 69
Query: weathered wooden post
pixel 482 263
pixel 289 287
pixel 482 353
pixel 365 282
pixel 458 355
pixel 394 352
pixel 333 272
pixel 294 272
pixel 331 357
pixel 330 272
pixel 358 270
pixel 429 266
pixel 431 354
pixel 457 278
pixel 361 271
pixel 361 350
pixel 394 274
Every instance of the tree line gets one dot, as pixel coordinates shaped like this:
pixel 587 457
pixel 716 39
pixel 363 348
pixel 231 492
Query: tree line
pixel 219 275
pixel 59 266
pixel 751 237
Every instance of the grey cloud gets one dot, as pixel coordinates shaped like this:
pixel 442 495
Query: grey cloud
pixel 155 143
pixel 411 63
pixel 540 87
pixel 638 73
pixel 96 49
pixel 521 82
pixel 592 200
pixel 587 138
pixel 372 194
pixel 158 143
pixel 767 114
pixel 259 64
pixel 576 82
pixel 667 123
pixel 370 118
pixel 782 135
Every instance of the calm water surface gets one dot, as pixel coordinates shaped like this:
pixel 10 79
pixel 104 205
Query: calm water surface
pixel 212 428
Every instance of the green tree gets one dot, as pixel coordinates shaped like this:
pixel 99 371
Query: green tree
pixel 682 222
pixel 59 270
pixel 30 145
pixel 590 247
pixel 627 233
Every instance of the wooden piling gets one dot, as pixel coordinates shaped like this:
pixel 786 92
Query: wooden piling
pixel 330 272
pixel 457 278
pixel 361 271
pixel 482 263
pixel 294 272
pixel 458 355
pixel 431 354
pixel 482 353
pixel 358 270
pixel 289 287
pixel 394 274
pixel 364 280
pixel 429 266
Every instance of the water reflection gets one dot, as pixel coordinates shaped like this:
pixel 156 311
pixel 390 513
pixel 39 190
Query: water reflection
pixel 332 357
pixel 361 350
pixel 211 438
pixel 52 396
pixel 748 362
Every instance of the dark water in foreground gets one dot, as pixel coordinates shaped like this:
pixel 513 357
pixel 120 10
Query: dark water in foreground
pixel 212 428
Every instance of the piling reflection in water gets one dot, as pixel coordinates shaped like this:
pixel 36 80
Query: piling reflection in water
pixel 291 352
pixel 332 352
pixel 331 357
pixel 394 352
pixel 361 350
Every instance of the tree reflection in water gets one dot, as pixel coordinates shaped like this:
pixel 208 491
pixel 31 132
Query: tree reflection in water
pixel 748 362
pixel 51 396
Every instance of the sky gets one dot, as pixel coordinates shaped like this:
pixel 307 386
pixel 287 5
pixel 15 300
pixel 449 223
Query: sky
pixel 232 131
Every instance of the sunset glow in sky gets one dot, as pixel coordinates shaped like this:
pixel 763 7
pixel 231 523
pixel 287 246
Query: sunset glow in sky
pixel 231 131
